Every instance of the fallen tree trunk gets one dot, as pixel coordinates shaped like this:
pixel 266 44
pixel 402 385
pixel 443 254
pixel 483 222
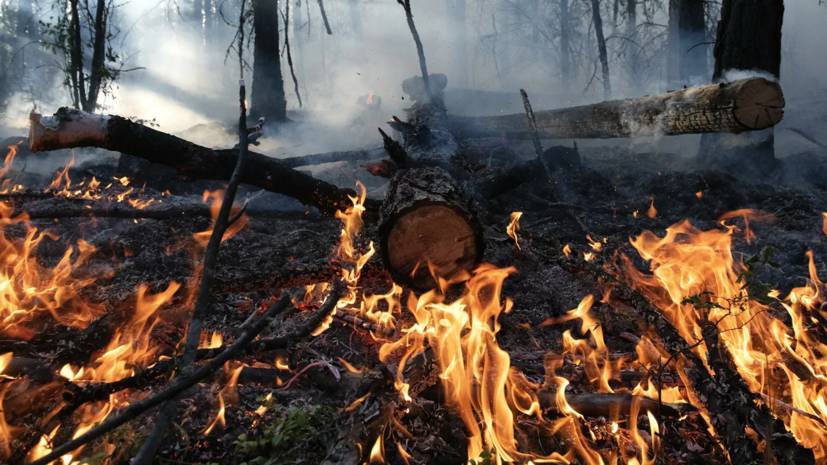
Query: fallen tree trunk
pixel 745 105
pixel 426 225
pixel 333 157
pixel 72 128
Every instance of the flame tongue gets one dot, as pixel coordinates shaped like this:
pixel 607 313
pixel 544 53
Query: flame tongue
pixel 694 280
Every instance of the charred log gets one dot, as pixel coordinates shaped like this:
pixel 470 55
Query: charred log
pixel 72 128
pixel 745 105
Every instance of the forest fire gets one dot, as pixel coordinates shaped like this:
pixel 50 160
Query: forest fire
pixel 621 269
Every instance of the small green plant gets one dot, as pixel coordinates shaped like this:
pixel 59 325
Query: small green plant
pixel 285 439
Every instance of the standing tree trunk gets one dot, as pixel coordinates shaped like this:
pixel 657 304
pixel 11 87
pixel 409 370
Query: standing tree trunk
pixel 198 12
pixel 75 67
pixel 597 19
pixel 268 99
pixel 26 24
pixel 565 44
pixel 458 16
pixel 749 36
pixel 98 70
pixel 632 45
pixel 84 97
pixel 749 39
pixel 686 60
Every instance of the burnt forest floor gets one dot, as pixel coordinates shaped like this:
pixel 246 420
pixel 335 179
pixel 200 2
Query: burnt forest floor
pixel 280 250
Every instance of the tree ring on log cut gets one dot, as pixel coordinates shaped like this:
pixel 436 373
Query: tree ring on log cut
pixel 759 104
pixel 427 228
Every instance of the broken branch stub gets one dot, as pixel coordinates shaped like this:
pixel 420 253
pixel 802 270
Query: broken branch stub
pixel 73 128
pixel 744 105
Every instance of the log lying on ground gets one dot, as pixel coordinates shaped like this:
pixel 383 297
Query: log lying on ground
pixel 72 128
pixel 745 105
pixel 333 157
pixel 425 222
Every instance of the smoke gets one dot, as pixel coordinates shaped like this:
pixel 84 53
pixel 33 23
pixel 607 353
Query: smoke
pixel 184 84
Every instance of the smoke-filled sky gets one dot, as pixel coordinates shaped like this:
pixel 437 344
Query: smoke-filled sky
pixel 184 79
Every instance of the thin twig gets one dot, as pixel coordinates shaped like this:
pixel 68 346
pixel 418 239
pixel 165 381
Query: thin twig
pixel 285 16
pixel 179 385
pixel 324 18
pixel 323 313
pixel 423 66
pixel 202 305
pixel 535 135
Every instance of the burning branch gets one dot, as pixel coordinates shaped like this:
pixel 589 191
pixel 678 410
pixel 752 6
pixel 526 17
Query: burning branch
pixel 72 128
pixel 178 386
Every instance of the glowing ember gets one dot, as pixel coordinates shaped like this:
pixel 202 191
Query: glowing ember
pixel 651 212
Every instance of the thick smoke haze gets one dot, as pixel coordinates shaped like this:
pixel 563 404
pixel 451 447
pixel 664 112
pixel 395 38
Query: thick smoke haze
pixel 185 80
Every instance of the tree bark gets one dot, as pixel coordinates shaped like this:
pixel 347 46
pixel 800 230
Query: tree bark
pixel 75 44
pixel 745 105
pixel 426 224
pixel 597 19
pixel 267 97
pixel 98 70
pixel 748 38
pixel 71 128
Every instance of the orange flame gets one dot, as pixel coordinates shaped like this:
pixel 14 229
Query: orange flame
pixel 213 199
pixel 695 279
pixel 514 227
pixel 213 341
pixel 29 290
pixel 651 212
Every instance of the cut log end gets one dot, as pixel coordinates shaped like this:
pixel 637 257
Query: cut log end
pixel 759 104
pixel 66 129
pixel 430 239
pixel 427 229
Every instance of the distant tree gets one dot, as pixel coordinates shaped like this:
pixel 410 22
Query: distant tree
pixel 84 30
pixel 267 97
pixel 687 53
pixel 632 43
pixel 603 55
pixel 566 62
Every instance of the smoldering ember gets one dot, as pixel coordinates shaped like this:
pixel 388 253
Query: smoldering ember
pixel 585 232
